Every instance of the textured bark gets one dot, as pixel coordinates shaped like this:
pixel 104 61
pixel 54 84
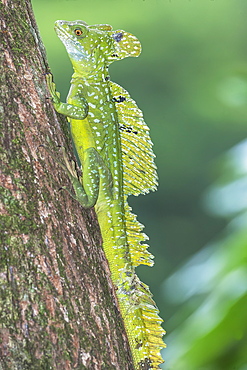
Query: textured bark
pixel 57 305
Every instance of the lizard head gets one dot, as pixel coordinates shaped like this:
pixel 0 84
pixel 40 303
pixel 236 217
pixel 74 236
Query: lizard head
pixel 92 48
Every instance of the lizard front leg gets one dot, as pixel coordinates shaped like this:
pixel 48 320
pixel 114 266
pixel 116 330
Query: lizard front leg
pixel 69 110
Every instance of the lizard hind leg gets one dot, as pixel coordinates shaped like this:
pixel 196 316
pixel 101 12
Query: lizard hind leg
pixel 86 191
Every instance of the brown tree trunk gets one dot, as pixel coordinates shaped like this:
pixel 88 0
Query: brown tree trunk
pixel 58 308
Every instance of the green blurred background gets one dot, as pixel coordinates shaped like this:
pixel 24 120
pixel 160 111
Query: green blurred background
pixel 191 83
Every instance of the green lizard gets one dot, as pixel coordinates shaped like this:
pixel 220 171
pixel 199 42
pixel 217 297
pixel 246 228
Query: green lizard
pixel 113 144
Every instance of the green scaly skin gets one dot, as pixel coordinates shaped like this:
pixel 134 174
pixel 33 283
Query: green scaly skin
pixel 112 143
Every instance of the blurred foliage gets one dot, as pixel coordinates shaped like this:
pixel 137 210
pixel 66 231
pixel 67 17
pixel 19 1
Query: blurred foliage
pixel 210 325
pixel 191 83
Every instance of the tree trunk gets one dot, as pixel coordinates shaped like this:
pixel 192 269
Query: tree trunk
pixel 58 308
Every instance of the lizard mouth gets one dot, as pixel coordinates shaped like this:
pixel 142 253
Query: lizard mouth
pixel 62 34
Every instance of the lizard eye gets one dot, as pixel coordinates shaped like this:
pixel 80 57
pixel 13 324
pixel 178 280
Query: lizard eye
pixel 78 32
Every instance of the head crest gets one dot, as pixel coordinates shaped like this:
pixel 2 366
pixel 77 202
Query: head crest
pixel 125 45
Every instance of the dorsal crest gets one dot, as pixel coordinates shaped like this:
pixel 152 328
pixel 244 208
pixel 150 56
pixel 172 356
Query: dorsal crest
pixel 124 43
pixel 138 158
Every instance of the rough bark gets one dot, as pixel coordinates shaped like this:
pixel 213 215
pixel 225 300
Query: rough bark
pixel 58 308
